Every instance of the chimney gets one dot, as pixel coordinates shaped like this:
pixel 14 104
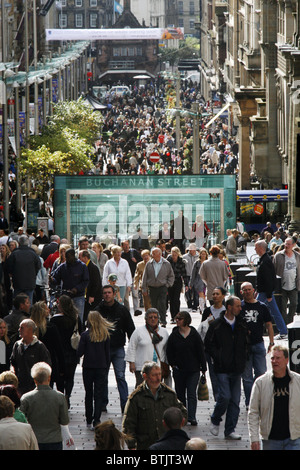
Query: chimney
pixel 127 5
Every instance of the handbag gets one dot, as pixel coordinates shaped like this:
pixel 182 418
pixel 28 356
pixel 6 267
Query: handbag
pixel 203 394
pixel 75 338
pixel 165 368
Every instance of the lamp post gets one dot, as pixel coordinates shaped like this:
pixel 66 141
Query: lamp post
pixel 195 114
pixel 196 161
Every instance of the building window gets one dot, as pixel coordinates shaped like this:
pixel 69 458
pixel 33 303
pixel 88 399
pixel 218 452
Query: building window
pixel 180 22
pixel 78 3
pixel 93 20
pixel 180 8
pixel 192 8
pixel 116 52
pixel 63 3
pixel 93 3
pixel 63 20
pixel 139 51
pixel 79 20
pixel 192 24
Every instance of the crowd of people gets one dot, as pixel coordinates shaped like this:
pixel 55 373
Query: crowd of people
pixel 62 305
pixel 135 126
pixel 82 315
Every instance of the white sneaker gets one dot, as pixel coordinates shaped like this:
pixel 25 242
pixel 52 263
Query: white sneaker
pixel 279 337
pixel 214 429
pixel 233 436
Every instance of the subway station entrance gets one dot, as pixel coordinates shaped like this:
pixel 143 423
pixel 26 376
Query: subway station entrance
pixel 114 208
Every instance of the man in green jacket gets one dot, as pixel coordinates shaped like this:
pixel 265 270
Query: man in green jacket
pixel 145 407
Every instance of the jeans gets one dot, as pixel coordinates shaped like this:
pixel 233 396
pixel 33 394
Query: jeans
pixel 285 444
pixel 79 303
pixel 186 389
pixel 229 394
pixel 117 359
pixel 257 364
pixel 94 381
pixel 24 291
pixel 275 312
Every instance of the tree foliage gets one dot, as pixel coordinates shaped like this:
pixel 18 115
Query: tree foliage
pixel 65 145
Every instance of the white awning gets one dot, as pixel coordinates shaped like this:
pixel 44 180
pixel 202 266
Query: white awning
pixel 217 115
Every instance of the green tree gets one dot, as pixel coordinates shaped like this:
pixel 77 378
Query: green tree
pixel 41 165
pixel 78 116
pixel 64 146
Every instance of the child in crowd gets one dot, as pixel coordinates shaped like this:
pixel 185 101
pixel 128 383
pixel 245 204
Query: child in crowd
pixel 112 279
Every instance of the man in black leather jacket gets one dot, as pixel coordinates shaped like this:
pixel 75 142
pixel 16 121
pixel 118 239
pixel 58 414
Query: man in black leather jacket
pixel 226 341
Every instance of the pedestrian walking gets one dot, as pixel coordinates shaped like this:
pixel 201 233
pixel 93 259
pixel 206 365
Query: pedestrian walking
pixel 94 346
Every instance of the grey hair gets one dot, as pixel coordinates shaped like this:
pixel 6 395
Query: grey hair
pixel 151 310
pixel 41 371
pixel 23 240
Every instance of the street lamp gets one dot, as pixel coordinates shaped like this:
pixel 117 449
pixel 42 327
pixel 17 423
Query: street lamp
pixel 195 115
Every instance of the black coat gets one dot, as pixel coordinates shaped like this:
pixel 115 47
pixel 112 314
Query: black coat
pixel 123 323
pixel 49 249
pixel 186 353
pixel 228 347
pixel 94 288
pixel 265 276
pixel 23 264
pixel 174 439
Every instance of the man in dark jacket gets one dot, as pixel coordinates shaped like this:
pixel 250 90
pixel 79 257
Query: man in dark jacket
pixel 174 438
pixel 27 352
pixel 118 314
pixel 226 341
pixel 23 264
pixel 265 286
pixel 21 311
pixel 73 275
pixel 93 294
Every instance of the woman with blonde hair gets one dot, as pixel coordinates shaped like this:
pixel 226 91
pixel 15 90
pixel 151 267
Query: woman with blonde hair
pixel 63 247
pixel 94 346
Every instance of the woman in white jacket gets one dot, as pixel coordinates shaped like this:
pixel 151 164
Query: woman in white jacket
pixel 147 343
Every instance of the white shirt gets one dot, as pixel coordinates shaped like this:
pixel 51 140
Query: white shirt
pixel 122 271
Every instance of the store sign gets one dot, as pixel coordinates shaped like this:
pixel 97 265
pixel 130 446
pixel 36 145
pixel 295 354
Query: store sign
pixel 123 34
pixel 115 207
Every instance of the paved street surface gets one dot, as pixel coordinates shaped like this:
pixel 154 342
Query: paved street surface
pixel 84 438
